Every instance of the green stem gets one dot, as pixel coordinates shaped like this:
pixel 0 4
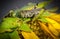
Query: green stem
pixel 40 13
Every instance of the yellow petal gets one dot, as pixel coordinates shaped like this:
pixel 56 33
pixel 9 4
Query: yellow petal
pixel 29 35
pixel 55 24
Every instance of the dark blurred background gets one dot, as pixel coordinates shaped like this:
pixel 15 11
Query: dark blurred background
pixel 6 5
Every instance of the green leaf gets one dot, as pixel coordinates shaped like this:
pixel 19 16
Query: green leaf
pixel 43 19
pixel 24 27
pixel 42 4
pixel 7 24
pixel 26 19
pixel 4 36
pixel 2 30
pixel 14 35
pixel 46 13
